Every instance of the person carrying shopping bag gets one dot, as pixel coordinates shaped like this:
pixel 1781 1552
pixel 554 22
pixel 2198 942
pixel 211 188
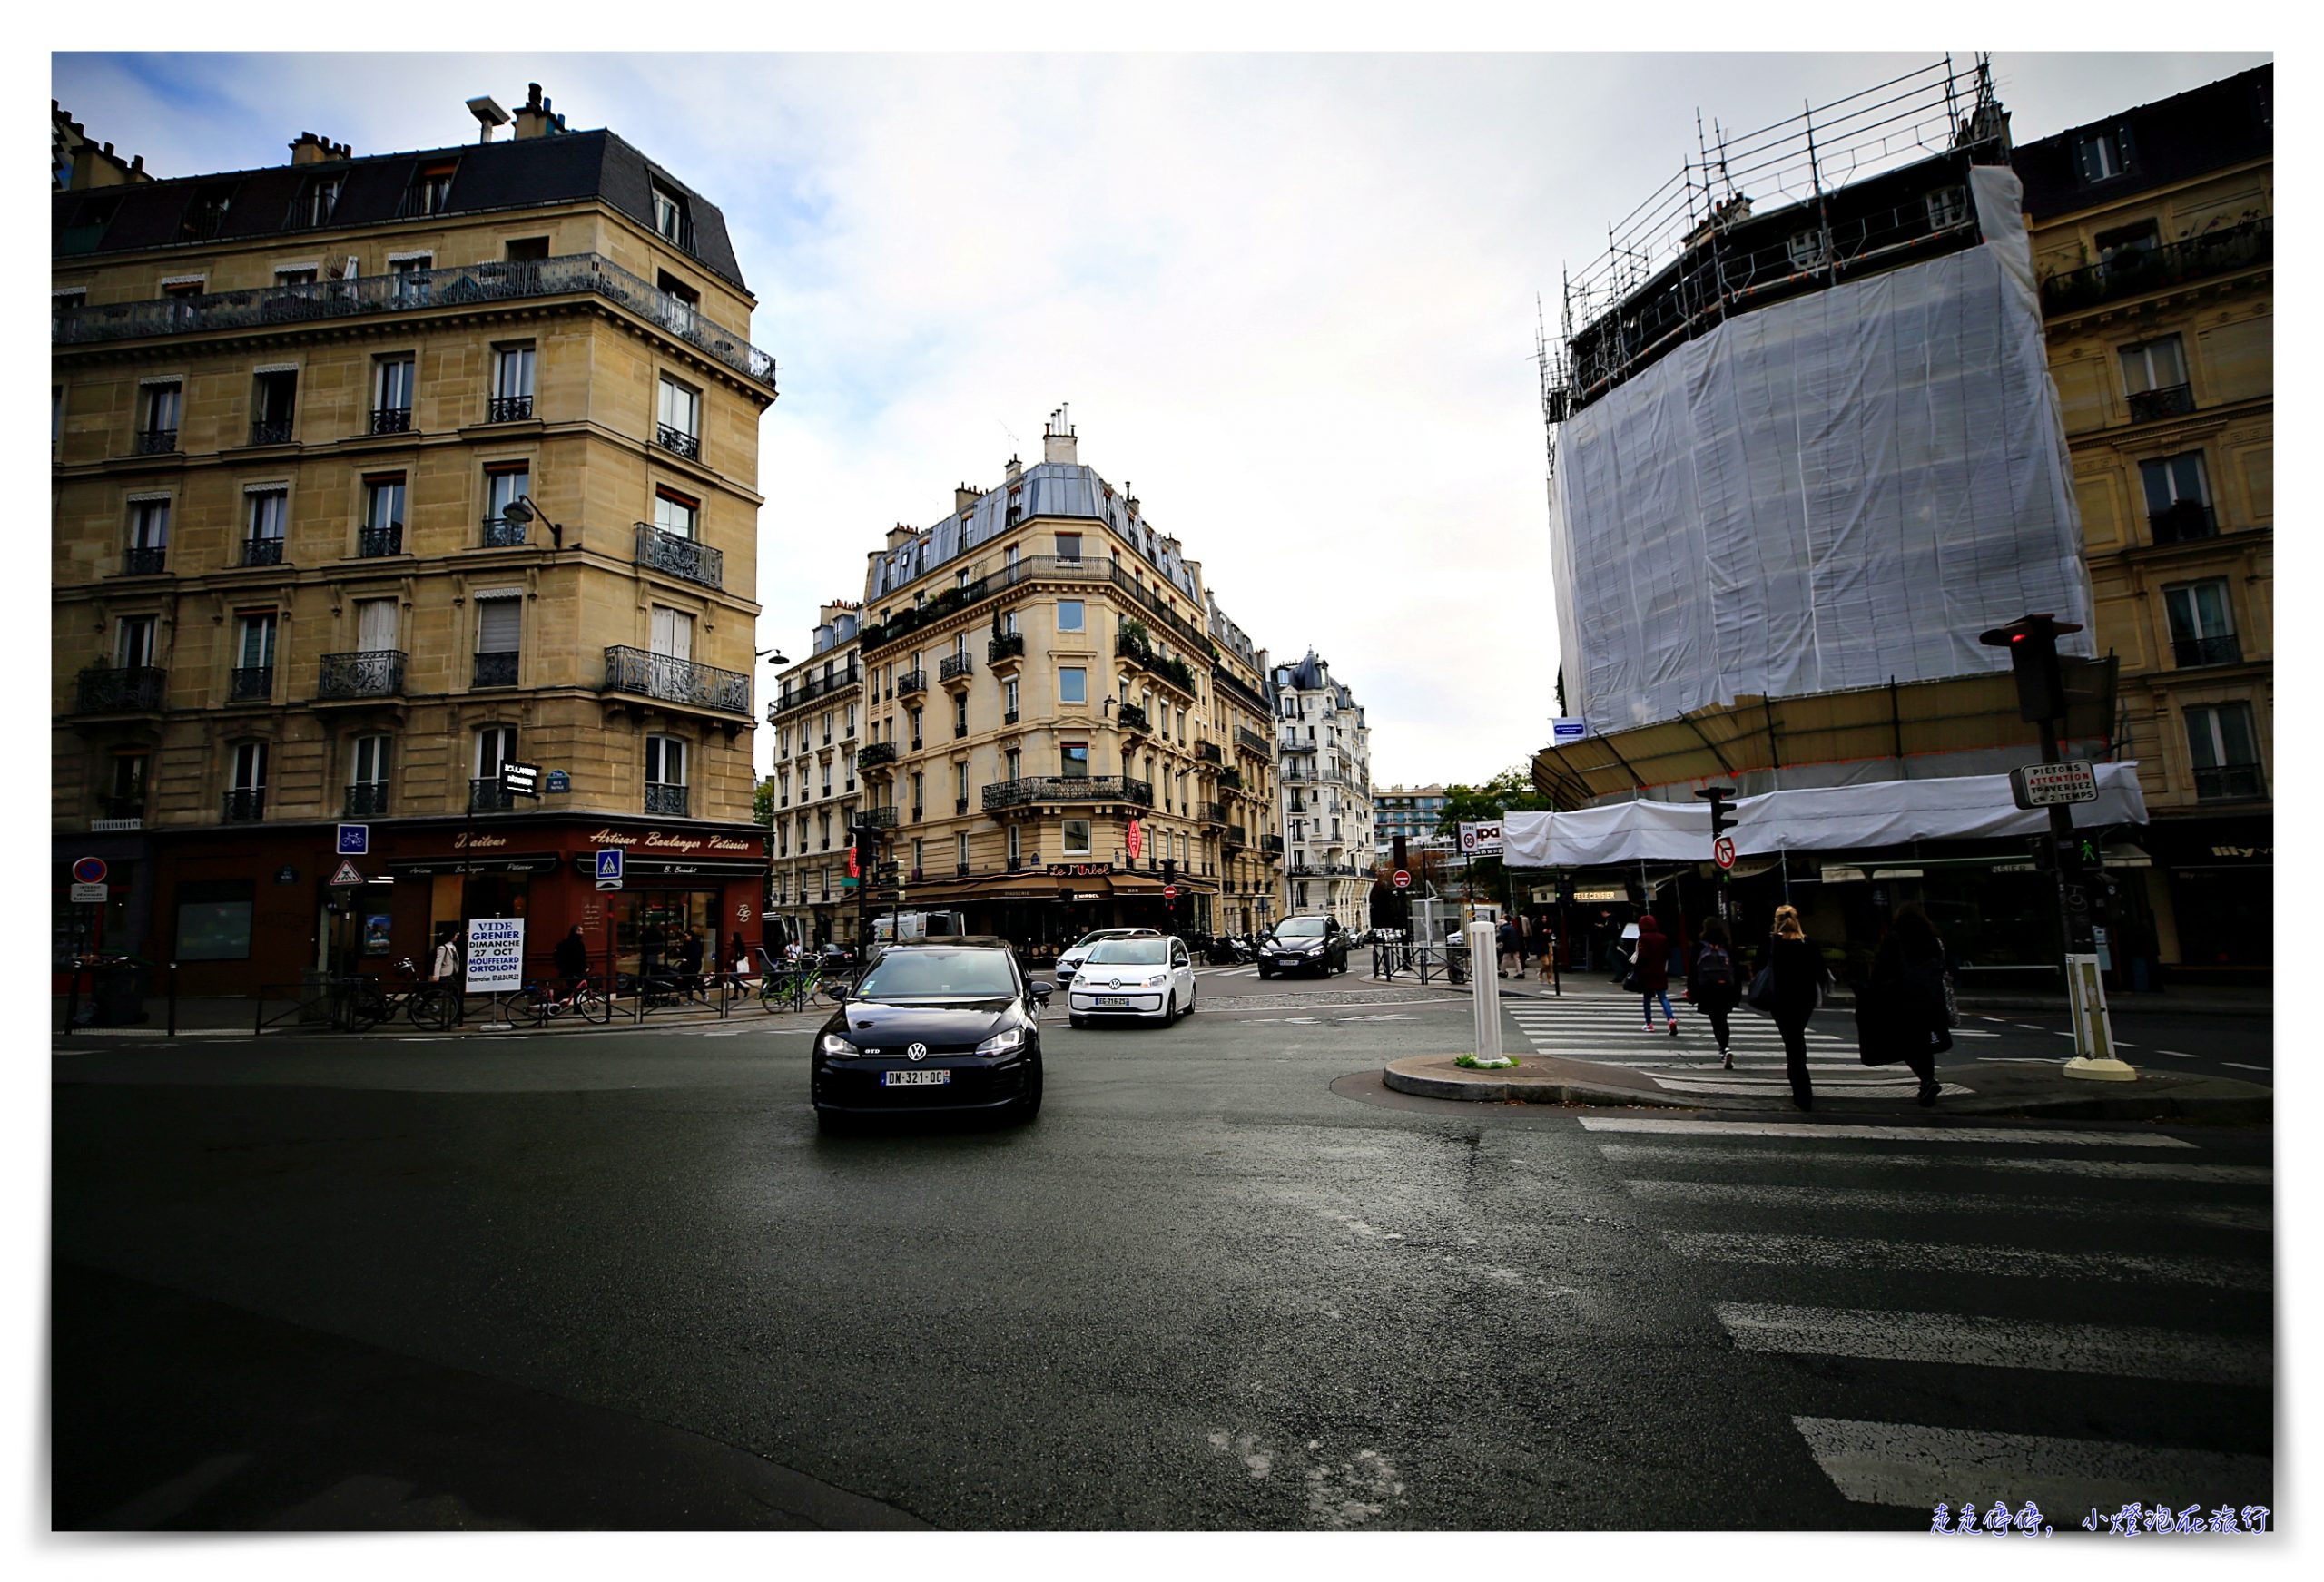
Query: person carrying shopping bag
pixel 1788 987
pixel 1651 973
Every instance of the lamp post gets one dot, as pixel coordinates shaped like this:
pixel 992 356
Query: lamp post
pixel 524 508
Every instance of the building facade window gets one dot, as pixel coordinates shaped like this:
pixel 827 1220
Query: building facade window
pixel 2103 152
pixel 246 782
pixel 499 638
pixel 391 386
pixel 2178 498
pixel 252 679
pixel 1069 616
pixel 2203 628
pixel 1072 685
pixel 666 776
pixel 134 638
pixel 274 401
pixel 670 217
pixel 677 514
pixel 2225 750
pixel 1073 759
pixel 1074 837
pixel 366 776
pixel 382 529
pixel 157 427
pixel 1068 546
pixel 512 383
pixel 677 425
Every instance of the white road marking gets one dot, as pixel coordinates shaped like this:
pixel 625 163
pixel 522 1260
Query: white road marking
pixel 2239 1066
pixel 2020 1060
pixel 1916 1467
pixel 1877 1200
pixel 2178 1054
pixel 1633 1155
pixel 1888 1336
pixel 1782 1089
pixel 1659 1127
pixel 1940 1258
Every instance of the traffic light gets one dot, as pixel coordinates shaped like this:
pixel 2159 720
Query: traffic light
pixel 1721 799
pixel 2033 644
pixel 1170 870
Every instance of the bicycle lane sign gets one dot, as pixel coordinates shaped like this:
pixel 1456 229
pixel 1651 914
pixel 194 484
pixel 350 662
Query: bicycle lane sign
pixel 496 955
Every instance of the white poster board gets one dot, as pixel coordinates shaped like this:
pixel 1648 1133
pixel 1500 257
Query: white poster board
pixel 496 955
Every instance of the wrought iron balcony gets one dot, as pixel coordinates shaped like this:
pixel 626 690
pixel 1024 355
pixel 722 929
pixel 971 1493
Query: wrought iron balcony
pixel 2229 782
pixel 957 667
pixel 1272 843
pixel 919 814
pixel 1287 744
pixel 495 669
pixel 1067 788
pixel 372 674
pixel 271 431
pixel 1230 780
pixel 487 795
pixel 2133 272
pixel 1007 649
pixel 1249 741
pixel 815 687
pixel 688 558
pixel 1326 871
pixel 878 818
pixel 499 532
pixel 115 690
pixel 121 808
pixel 911 681
pixel 668 801
pixel 145 560
pixel 155 441
pixel 1233 839
pixel 876 755
pixel 390 420
pixel 366 798
pixel 370 542
pixel 1009 717
pixel 1213 812
pixel 959 805
pixel 1133 718
pixel 261 552
pixel 507 409
pixel 250 684
pixel 2170 401
pixel 1208 752
pixel 678 441
pixel 461 286
pixel 668 679
pixel 2188 652
pixel 245 805
pixel 2183 522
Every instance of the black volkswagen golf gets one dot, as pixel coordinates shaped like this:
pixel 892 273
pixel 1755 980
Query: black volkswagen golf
pixel 948 1026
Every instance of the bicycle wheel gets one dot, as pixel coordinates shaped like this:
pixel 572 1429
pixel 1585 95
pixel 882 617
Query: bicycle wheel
pixel 771 992
pixel 593 1006
pixel 537 1003
pixel 430 1008
pixel 365 1006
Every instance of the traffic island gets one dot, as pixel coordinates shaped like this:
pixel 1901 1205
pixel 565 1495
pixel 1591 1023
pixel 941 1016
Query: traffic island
pixel 1537 1079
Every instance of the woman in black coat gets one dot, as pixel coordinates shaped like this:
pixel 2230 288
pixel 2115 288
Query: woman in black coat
pixel 1796 977
pixel 1902 1015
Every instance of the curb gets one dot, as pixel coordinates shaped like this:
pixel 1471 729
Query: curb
pixel 1524 1090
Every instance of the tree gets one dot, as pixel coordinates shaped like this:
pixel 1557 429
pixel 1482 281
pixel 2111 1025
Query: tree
pixel 763 803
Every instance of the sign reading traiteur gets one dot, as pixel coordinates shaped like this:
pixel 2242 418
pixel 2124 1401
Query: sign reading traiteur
pixel 2050 785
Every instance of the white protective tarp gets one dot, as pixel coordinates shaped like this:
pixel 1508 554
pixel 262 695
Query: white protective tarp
pixel 1839 817
pixel 1827 493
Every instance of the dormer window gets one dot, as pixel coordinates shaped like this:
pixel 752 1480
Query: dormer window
pixel 430 190
pixel 318 202
pixel 1947 207
pixel 2102 153
pixel 206 215
pixel 671 220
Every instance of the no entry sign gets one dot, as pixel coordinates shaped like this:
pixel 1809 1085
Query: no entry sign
pixel 1400 880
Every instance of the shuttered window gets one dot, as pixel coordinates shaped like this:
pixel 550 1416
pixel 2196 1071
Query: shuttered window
pixel 496 624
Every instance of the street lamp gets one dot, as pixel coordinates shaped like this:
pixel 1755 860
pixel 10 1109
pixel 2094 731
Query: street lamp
pixel 524 508
pixel 771 655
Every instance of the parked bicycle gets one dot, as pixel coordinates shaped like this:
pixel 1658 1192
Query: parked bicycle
pixel 542 1003
pixel 365 1002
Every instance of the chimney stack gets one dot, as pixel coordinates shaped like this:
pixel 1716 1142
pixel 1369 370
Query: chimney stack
pixel 311 150
pixel 1013 471
pixel 964 498
pixel 1058 442
pixel 536 119
pixel 899 535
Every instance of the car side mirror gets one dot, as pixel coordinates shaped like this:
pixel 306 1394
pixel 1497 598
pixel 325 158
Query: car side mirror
pixel 1042 991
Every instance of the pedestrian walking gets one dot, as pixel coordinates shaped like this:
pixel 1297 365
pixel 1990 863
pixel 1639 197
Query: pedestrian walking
pixel 1902 1014
pixel 572 958
pixel 1789 986
pixel 1650 972
pixel 739 954
pixel 1512 953
pixel 447 964
pixel 689 962
pixel 1711 983
pixel 1546 941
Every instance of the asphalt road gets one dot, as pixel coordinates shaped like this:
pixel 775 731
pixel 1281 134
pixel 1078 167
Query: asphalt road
pixel 1226 1280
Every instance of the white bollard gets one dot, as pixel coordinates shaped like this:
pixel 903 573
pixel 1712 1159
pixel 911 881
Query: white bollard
pixel 1485 993
pixel 2094 1058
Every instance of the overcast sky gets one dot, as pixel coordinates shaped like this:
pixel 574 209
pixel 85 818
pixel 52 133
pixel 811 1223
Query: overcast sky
pixel 1291 297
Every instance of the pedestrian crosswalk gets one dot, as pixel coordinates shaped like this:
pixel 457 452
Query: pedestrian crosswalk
pixel 1608 1030
pixel 2030 1319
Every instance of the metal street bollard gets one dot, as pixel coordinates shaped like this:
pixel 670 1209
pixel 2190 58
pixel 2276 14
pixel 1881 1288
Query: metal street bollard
pixel 1485 993
pixel 173 999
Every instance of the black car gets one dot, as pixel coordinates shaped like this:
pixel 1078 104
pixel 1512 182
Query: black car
pixel 941 1026
pixel 1303 943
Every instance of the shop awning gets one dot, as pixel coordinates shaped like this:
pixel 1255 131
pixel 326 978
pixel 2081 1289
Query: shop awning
pixel 1815 819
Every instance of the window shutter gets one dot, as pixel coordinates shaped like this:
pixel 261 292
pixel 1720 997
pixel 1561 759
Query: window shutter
pixel 497 625
pixel 2124 158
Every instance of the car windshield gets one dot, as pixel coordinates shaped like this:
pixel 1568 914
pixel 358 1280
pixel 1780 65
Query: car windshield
pixel 1130 952
pixel 1098 937
pixel 938 974
pixel 1299 929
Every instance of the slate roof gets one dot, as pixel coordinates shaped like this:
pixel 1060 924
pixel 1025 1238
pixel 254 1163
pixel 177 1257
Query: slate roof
pixel 512 173
pixel 1046 489
pixel 2208 128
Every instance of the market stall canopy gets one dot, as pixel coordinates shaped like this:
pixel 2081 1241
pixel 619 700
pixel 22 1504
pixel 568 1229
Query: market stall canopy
pixel 1816 819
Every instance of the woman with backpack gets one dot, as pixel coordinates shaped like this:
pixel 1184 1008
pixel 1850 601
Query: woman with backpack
pixel 1650 972
pixel 1789 982
pixel 1903 1013
pixel 1710 983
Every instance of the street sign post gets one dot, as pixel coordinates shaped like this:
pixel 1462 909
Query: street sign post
pixel 2050 785
pixel 346 874
pixel 609 864
pixel 89 870
pixel 1169 892
pixel 354 841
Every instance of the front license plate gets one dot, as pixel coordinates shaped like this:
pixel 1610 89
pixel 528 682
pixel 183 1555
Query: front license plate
pixel 936 1078
pixel 1112 999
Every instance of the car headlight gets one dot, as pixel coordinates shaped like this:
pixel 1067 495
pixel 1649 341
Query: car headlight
pixel 1002 1042
pixel 835 1044
pixel 1316 948
pixel 1157 980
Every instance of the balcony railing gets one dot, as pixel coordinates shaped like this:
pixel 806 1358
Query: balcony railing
pixel 1230 780
pixel 1009 717
pixel 245 805
pixel 878 818
pixel 688 558
pixel 487 795
pixel 118 808
pixel 366 798
pixel 261 552
pixel 668 801
pixel 370 542
pixel 495 669
pixel 1133 718
pixel 1067 788
pixel 2154 269
pixel 957 667
pixel 506 280
pixel 678 442
pixel 1132 649
pixel 2229 782
pixel 1326 871
pixel 155 441
pixel 2189 653
pixel 2170 401
pixel 1233 839
pixel 1084 569
pixel 1005 648
pixel 507 409
pixel 876 755
pixel 390 420
pixel 271 431
pixel 670 679
pixel 499 532
pixel 1249 741
pixel 373 674
pixel 113 690
pixel 1285 744
pixel 1208 752
pixel 1213 812
pixel 817 687
pixel 1272 843
pixel 911 681
pixel 919 812
pixel 2183 522
pixel 145 560
pixel 250 684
